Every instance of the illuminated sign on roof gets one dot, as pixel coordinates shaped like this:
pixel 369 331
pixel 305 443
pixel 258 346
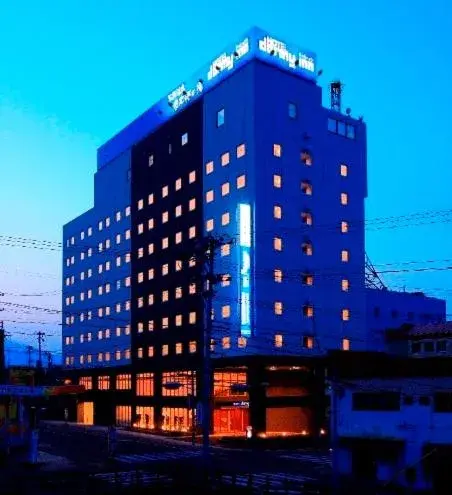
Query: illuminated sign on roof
pixel 256 43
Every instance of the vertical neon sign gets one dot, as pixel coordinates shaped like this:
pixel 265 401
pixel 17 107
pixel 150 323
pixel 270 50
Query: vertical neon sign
pixel 245 269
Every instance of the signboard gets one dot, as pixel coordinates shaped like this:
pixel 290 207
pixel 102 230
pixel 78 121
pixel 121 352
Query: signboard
pixel 245 269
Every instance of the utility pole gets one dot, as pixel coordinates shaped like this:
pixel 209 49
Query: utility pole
pixel 41 336
pixel 205 254
pixel 2 353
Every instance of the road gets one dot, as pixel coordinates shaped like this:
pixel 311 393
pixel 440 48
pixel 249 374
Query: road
pixel 86 449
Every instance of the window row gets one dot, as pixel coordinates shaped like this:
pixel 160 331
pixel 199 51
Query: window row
pixel 341 128
pixel 101 334
pixel 166 190
pixel 307 279
pixel 307 310
pixel 101 357
pixel 183 139
pixel 165 322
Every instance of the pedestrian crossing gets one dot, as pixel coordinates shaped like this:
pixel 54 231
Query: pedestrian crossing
pixel 268 482
pixel 167 455
pixel 308 457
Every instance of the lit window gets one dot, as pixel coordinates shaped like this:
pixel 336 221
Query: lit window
pixel 306 248
pixel 150 325
pixel 277 275
pixel 178 294
pixel 118 216
pixel 241 342
pixel 165 242
pixel 178 348
pixel 170 148
pixel 277 243
pixel 344 170
pixel 118 260
pixel 277 150
pixel 191 262
pixel 165 322
pixel 178 265
pixel 192 288
pixel 150 273
pixel 90 231
pixel 192 176
pixel 101 225
pixel 178 211
pixel 306 188
pixel 345 314
pixel 151 160
pixel 184 139
pixel 277 181
pixel 209 196
pixel 345 344
pixel 225 280
pixel 127 258
pixel 241 150
pixel 278 340
pixel 278 308
pixel 308 310
pixel 209 167
pixel 128 234
pixel 140 327
pixel 178 320
pixel 165 350
pixel 209 225
pixel 225 158
pixel 140 228
pixel 192 317
pixel 307 279
pixel 225 218
pixel 226 342
pixel 165 269
pixel 192 346
pixel 192 232
pixel 292 110
pixel 127 282
pixel 165 296
pixel 192 204
pixel 344 227
pixel 225 189
pixel 150 299
pixel 241 181
pixel 151 199
pixel 277 212
pixel 140 204
pixel 127 211
pixel 150 248
pixel 150 224
pixel 345 256
pixel 127 330
pixel 226 311
pixel 117 355
pixel 140 302
pixel 344 198
pixel 140 353
pixel 308 342
pixel 220 117
pixel 225 249
pixel 178 239
pixel 306 218
pixel 165 216
pixel 306 158
pixel 118 238
pixel 345 285
pixel 164 191
pixel 150 351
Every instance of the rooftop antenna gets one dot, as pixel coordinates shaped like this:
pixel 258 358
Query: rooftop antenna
pixel 336 95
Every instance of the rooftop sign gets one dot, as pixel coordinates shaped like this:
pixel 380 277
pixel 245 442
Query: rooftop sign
pixel 256 43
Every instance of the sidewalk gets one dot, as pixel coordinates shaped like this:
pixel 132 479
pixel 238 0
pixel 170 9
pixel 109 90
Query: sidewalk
pixel 49 462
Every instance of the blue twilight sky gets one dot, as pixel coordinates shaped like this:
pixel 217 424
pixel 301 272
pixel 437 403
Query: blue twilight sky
pixel 73 73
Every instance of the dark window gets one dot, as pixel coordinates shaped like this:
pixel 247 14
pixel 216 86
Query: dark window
pixel 332 125
pixel 220 117
pixel 373 401
pixel 376 311
pixel 341 128
pixel 394 313
pixel 408 400
pixel 292 110
pixel 429 347
pixel 424 400
pixel 350 131
pixel 415 347
pixel 442 402
pixel 441 346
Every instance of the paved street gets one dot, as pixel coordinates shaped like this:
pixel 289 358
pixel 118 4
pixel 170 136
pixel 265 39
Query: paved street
pixel 153 459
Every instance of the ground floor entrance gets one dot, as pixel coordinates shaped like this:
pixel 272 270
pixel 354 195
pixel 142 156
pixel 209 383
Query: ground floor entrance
pixel 230 421
pixel 85 413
